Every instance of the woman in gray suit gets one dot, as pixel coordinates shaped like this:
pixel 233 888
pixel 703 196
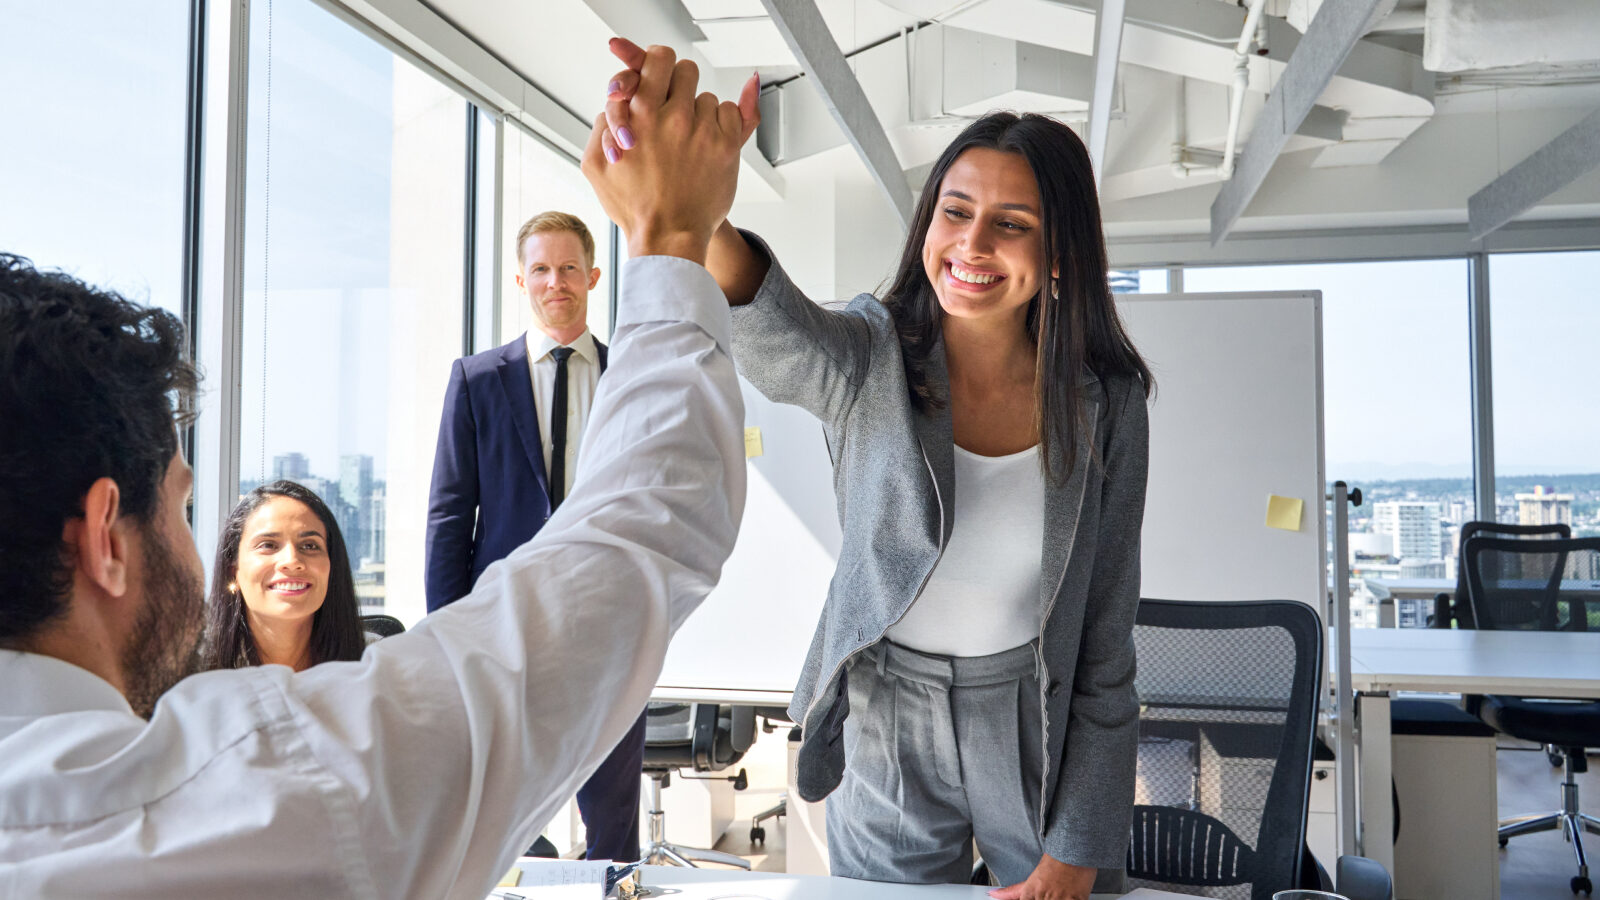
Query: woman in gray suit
pixel 972 673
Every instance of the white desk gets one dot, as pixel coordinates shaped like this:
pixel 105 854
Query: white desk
pixel 1520 663
pixel 729 884
pixel 666 693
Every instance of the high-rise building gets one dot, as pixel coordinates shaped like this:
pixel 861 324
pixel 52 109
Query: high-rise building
pixel 1123 281
pixel 355 491
pixel 1542 508
pixel 293 466
pixel 1413 524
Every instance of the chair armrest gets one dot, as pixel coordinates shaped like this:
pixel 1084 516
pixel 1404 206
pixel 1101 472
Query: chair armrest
pixel 1360 878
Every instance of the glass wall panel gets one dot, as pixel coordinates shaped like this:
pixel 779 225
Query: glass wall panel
pixel 538 179
pixel 354 275
pixel 1397 417
pixel 91 165
pixel 1544 320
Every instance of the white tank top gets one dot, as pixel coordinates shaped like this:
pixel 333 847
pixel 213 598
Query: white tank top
pixel 983 596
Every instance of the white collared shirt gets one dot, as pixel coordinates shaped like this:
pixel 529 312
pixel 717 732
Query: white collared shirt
pixel 424 769
pixel 583 373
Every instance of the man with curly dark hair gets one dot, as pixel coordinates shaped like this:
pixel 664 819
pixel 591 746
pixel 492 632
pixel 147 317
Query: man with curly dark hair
pixel 85 382
pixel 421 770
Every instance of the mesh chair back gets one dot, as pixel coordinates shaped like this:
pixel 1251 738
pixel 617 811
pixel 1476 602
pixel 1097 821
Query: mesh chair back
pixel 1460 607
pixel 381 625
pixel 1228 695
pixel 1522 585
pixel 702 736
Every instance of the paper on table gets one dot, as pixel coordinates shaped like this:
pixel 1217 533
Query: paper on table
pixel 561 879
pixel 1284 512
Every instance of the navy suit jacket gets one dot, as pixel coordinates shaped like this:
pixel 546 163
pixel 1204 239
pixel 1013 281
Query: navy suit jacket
pixel 490 491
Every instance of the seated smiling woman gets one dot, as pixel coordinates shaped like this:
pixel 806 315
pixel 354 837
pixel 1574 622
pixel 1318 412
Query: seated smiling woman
pixel 281 588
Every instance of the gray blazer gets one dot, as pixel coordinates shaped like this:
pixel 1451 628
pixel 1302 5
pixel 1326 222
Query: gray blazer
pixel 894 481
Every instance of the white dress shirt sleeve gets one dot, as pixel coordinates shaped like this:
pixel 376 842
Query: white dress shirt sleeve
pixel 450 746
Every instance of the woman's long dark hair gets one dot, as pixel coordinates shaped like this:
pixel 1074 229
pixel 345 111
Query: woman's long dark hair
pixel 1079 331
pixel 335 628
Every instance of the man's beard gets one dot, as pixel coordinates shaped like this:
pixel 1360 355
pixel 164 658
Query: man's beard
pixel 161 649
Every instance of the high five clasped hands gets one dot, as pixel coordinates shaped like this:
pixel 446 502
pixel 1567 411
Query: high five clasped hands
pixel 693 182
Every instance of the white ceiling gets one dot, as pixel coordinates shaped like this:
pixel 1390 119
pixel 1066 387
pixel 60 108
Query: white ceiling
pixel 1392 141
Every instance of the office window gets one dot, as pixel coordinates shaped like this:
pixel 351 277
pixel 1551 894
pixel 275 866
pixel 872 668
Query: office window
pixel 91 165
pixel 1544 318
pixel 1137 281
pixel 1397 419
pixel 538 179
pixel 354 282
pixel 485 235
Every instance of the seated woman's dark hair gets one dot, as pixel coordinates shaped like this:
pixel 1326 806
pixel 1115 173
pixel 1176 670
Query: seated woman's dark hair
pixel 336 633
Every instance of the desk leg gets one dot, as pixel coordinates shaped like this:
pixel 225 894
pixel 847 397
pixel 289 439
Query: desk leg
pixel 1376 779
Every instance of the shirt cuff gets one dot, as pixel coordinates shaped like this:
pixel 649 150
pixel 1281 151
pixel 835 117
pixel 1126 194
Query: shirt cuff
pixel 670 289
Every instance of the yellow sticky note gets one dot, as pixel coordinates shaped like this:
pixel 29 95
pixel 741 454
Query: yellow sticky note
pixel 752 442
pixel 512 878
pixel 1284 512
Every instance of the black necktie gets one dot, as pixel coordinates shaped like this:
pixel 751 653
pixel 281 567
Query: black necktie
pixel 558 430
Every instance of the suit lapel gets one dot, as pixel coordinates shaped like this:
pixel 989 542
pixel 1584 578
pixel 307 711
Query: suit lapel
pixel 517 382
pixel 1063 503
pixel 938 440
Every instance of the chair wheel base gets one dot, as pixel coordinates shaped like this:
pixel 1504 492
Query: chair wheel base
pixel 1503 842
pixel 758 835
pixel 1581 883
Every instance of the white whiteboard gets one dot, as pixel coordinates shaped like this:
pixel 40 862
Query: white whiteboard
pixel 752 633
pixel 1237 416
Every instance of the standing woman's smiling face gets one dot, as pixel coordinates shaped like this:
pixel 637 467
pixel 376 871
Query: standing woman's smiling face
pixel 983 246
pixel 283 565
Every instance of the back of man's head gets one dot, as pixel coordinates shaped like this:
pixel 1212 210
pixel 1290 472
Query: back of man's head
pixel 91 386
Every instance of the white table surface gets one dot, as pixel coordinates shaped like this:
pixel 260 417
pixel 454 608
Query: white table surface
pixel 1527 663
pixel 732 884
pixel 1382 660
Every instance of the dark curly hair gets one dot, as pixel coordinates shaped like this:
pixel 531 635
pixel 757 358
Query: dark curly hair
pixel 92 386
pixel 336 633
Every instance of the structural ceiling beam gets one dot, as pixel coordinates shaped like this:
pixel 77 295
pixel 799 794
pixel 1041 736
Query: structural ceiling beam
pixel 1552 167
pixel 1338 25
pixel 813 45
pixel 1107 48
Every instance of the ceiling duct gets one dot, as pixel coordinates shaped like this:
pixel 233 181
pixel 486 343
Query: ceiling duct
pixel 1464 35
pixel 1385 93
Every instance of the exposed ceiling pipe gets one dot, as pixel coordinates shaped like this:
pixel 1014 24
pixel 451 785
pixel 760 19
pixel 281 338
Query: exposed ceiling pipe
pixel 1253 32
pixel 1241 84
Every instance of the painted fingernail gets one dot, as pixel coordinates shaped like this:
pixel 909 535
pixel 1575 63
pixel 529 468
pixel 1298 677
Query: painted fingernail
pixel 611 155
pixel 625 138
pixel 614 87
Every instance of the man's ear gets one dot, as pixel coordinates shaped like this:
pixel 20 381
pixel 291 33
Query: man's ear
pixel 100 547
pixel 594 277
pixel 519 280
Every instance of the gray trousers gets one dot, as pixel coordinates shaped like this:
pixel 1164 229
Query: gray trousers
pixel 939 751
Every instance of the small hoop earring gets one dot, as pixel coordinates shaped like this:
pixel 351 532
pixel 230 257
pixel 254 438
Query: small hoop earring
pixel 1055 289
pixel 233 588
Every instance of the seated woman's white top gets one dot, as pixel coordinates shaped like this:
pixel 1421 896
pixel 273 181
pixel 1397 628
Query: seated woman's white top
pixel 983 596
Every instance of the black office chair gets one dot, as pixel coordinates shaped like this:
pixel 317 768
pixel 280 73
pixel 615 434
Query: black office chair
pixel 703 737
pixel 1453 610
pixel 1517 585
pixel 381 625
pixel 1229 707
pixel 771 717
